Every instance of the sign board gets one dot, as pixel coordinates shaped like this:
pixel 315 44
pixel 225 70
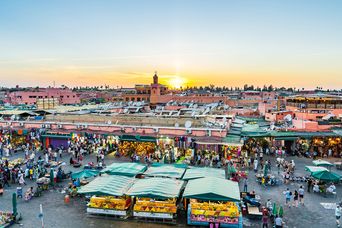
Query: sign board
pixel 105 211
pixel 153 215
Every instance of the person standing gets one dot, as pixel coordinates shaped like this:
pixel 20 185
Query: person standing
pixel 338 213
pixel 255 165
pixel 309 184
pixel 265 220
pixel 245 185
pixel 301 194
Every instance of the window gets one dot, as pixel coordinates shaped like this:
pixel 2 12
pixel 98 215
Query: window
pixel 68 96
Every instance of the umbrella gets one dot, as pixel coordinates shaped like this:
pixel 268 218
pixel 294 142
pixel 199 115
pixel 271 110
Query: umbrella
pixel 274 210
pixel 14 204
pixel 313 169
pixel 281 211
pixel 326 176
pixel 320 162
pixel 85 174
pixel 51 177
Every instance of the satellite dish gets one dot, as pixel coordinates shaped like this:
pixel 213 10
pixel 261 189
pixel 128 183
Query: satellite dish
pixel 109 122
pixel 195 106
pixel 288 117
pixel 224 119
pixel 188 124
pixel 176 124
pixel 125 110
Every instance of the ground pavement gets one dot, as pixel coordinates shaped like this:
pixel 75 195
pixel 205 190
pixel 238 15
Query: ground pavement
pixel 57 214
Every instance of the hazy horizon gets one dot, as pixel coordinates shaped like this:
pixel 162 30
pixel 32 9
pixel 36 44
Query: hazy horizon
pixel 196 43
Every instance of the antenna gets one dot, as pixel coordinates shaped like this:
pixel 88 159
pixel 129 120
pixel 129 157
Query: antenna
pixel 188 124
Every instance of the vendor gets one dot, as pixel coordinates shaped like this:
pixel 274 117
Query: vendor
pixel 315 187
pixel 331 188
pixel 29 192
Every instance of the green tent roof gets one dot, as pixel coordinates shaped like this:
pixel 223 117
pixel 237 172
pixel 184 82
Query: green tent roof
pixel 320 162
pixel 138 138
pixel 125 169
pixel 156 188
pixel 326 176
pixel 85 174
pixel 212 188
pixel 108 185
pixel 233 139
pixel 195 173
pixel 172 171
pixel 313 169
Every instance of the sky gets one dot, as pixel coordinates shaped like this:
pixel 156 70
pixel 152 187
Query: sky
pixel 190 42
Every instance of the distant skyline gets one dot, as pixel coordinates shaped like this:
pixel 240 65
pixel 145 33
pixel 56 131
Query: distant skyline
pixel 189 42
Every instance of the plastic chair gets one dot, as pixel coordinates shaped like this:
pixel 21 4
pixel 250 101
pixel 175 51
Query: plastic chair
pixel 19 192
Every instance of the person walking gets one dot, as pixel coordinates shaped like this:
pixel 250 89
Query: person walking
pixel 278 222
pixel 301 194
pixel 295 198
pixel 21 179
pixel 288 195
pixel 338 213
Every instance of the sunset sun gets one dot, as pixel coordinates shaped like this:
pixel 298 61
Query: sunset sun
pixel 176 82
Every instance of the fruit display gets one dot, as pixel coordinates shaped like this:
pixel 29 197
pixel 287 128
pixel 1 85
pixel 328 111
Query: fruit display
pixel 110 202
pixel 15 162
pixel 148 205
pixel 227 212
pixel 5 217
pixel 140 148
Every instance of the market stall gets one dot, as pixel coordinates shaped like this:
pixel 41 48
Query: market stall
pixel 84 174
pixel 213 201
pixel 108 195
pixel 160 170
pixel 197 172
pixel 156 198
pixel 125 169
pixel 6 219
pixel 140 145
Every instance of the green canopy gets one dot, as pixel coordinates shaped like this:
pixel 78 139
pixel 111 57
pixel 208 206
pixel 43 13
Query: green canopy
pixel 320 162
pixel 177 165
pixel 165 171
pixel 313 169
pixel 85 174
pixel 212 188
pixel 196 172
pixel 138 138
pixel 108 185
pixel 326 176
pixel 156 188
pixel 125 169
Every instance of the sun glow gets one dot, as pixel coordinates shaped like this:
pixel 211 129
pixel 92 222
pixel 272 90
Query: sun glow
pixel 176 82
